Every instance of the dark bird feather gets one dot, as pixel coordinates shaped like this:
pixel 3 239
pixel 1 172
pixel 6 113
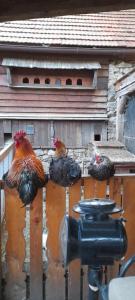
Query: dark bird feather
pixel 64 171
pixel 26 172
pixel 102 170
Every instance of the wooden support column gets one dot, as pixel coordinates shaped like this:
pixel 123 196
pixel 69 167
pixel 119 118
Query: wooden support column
pixel 15 248
pixel 36 265
pixel 55 210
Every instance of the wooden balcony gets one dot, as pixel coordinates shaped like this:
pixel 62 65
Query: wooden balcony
pixel 42 275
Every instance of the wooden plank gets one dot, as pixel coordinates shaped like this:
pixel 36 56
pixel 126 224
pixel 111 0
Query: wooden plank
pixel 2 70
pixel 15 126
pixel 55 210
pixel 0 251
pixel 4 89
pixel 129 208
pixel 31 109
pixel 102 83
pixel 74 268
pixel 52 97
pixel 68 132
pixel 3 80
pixel 15 247
pixel 36 265
pixel 115 185
pixel 103 73
pixel 115 190
pixel 42 139
pixel 1 135
pixel 63 104
pixel 94 188
pixel 7 126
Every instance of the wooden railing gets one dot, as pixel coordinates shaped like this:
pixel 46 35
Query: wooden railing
pixel 44 277
pixel 6 156
pixel 5 161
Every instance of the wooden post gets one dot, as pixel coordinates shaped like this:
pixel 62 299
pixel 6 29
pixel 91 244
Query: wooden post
pixel 0 248
pixel 36 265
pixel 92 188
pixel 129 208
pixel 75 266
pixel 15 248
pixel 55 210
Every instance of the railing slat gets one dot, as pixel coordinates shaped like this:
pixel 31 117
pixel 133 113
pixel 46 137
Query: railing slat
pixel 0 250
pixel 115 189
pixel 55 210
pixel 74 286
pixel 115 193
pixel 129 208
pixel 36 265
pixel 15 248
pixel 92 188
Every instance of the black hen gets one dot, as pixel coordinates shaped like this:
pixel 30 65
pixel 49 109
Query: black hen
pixel 101 168
pixel 63 169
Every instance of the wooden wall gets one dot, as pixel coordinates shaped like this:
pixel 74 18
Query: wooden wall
pixel 75 134
pixel 89 105
pixel 40 99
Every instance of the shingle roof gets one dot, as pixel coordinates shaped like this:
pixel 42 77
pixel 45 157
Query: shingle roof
pixel 108 29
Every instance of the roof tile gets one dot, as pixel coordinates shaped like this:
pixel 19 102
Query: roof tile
pixel 108 29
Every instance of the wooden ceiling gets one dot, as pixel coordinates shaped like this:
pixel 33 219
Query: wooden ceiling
pixel 25 9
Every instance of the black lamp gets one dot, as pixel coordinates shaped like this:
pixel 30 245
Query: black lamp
pixel 95 238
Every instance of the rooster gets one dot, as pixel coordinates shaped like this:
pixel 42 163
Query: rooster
pixel 26 173
pixel 100 168
pixel 63 169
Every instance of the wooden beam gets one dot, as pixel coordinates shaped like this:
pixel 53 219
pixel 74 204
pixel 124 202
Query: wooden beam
pixel 23 9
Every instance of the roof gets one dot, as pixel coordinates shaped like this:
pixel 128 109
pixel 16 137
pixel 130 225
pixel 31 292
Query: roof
pixel 105 29
pixel 51 64
pixel 116 151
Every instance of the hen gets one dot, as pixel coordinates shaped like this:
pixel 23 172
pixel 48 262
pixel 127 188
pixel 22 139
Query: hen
pixel 63 169
pixel 26 173
pixel 100 168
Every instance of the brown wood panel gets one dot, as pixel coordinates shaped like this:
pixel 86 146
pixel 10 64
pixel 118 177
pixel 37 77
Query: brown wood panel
pixel 36 265
pixel 103 73
pixel 55 104
pixel 42 134
pixel 1 134
pixel 49 91
pixel 15 247
pixel 69 132
pixel 102 83
pixel 115 185
pixel 74 268
pixel 94 188
pixel 55 210
pixel 3 80
pixel 52 97
pixel 115 190
pixel 0 249
pixel 129 208
pixel 2 70
pixel 53 110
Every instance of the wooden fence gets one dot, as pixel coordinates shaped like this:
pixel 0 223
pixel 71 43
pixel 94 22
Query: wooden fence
pixel 49 280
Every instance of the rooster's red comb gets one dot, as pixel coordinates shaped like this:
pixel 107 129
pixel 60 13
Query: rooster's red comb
pixel 19 134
